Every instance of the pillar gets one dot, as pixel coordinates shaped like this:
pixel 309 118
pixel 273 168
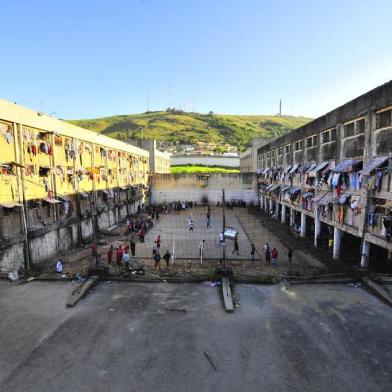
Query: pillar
pixel 291 216
pixel 317 225
pixel 270 206
pixel 365 254
pixel 337 236
pixel 276 211
pixel 303 224
pixel 283 214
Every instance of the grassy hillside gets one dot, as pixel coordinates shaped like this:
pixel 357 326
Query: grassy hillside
pixel 190 169
pixel 236 130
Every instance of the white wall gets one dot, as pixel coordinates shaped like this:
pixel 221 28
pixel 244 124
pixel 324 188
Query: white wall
pixel 193 187
pixel 206 160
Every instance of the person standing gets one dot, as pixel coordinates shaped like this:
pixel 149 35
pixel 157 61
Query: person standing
pixel 154 249
pixel 119 255
pixel 267 254
pixel 208 220
pixel 125 259
pixel 252 252
pixel 157 259
pixel 141 234
pixel 330 245
pixel 221 238
pixel 274 256
pixel 236 246
pixel 190 223
pixel 133 247
pixel 94 251
pixel 158 241
pixel 290 255
pixel 167 257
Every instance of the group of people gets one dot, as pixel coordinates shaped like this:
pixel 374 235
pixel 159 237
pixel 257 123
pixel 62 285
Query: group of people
pixel 271 254
pixel 157 256
pixel 140 226
pixel 124 258
pixel 191 224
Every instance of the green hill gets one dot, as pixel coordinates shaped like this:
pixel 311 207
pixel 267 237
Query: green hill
pixel 184 127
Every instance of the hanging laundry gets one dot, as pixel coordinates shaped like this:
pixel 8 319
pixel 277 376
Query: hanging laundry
pixel 378 183
pixel 353 180
pixel 354 202
pixel 335 180
pixel 344 181
pixel 359 182
pixel 66 207
pixel 9 137
pixel 387 223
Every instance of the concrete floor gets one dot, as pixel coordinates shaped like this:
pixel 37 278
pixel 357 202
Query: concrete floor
pixel 152 337
pixel 175 235
pixel 173 229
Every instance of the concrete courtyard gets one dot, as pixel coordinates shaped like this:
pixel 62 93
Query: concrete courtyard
pixel 153 337
pixel 184 244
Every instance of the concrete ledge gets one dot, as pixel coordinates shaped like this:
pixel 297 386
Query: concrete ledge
pixel 50 278
pixel 79 292
pixel 383 279
pixel 377 290
pixel 322 281
pixel 227 297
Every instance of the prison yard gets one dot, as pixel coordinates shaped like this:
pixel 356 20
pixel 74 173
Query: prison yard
pixel 121 275
pixel 171 337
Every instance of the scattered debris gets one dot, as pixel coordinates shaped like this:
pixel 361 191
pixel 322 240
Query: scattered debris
pixel 13 276
pixel 213 284
pixel 210 361
pixel 182 311
pixel 79 278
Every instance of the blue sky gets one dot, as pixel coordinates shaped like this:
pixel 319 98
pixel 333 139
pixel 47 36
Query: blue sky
pixel 91 58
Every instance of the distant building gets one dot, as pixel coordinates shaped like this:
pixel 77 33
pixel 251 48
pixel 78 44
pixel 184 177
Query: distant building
pixel 248 159
pixel 159 160
pixel 206 160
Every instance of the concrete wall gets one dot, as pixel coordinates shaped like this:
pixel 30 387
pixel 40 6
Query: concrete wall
pixel 206 160
pixel 47 242
pixel 246 161
pixel 193 187
pixel 360 129
pixel 11 258
pixel 159 160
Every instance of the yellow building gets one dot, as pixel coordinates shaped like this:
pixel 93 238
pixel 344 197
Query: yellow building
pixel 53 171
pixel 57 158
